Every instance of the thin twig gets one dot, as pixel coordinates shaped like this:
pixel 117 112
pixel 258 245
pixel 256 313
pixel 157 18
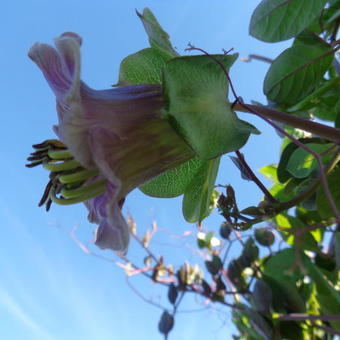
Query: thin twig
pixel 257 57
pixel 304 317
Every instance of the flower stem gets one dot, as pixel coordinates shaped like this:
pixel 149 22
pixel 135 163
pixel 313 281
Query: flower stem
pixel 322 130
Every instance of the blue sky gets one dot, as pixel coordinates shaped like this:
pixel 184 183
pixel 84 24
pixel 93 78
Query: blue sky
pixel 50 288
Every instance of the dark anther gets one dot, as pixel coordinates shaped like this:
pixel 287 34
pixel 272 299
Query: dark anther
pixel 32 165
pixel 48 204
pixel 41 145
pixel 46 193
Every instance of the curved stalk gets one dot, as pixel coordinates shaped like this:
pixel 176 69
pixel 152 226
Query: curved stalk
pixel 321 130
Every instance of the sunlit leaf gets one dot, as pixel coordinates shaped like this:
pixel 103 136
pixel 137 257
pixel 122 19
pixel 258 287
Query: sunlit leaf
pixel 293 224
pixel 295 73
pixel 301 163
pixel 276 20
pixel 283 174
pixel 270 172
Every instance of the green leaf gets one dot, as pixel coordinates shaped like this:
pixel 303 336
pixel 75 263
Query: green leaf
pixel 143 67
pixel 262 296
pixel 306 241
pixel 309 37
pixel 242 320
pixel 277 20
pixel 301 163
pixel 333 183
pixel 279 265
pixel 195 90
pixel 158 38
pixel 324 98
pixel 283 174
pixel 327 295
pixel 270 172
pixel 295 73
pixel 197 195
pixel 259 323
pixel 286 296
pixel 328 107
pixel 173 182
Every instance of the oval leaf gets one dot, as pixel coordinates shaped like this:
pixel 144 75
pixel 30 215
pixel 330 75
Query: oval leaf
pixel 277 20
pixel 301 163
pixel 295 73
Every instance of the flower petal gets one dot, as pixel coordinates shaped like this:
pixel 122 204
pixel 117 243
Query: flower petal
pixel 112 232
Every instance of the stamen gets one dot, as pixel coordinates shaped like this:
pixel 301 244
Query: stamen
pixel 59 154
pixel 46 193
pixel 69 181
pixel 85 195
pixel 58 167
pixel 77 176
pixel 48 204
pixel 83 189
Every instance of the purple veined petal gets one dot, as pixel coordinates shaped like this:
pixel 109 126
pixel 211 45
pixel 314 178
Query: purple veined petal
pixel 121 109
pixel 61 66
pixel 50 63
pixel 112 232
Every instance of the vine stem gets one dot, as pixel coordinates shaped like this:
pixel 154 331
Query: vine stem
pixel 321 130
pixel 304 317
